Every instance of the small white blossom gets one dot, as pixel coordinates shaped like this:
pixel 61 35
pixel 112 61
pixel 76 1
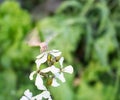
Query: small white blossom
pixel 61 61
pixel 58 72
pixel 38 81
pixel 42 58
pixel 28 95
pixel 52 68
pixel 55 83
pixel 32 74
pixel 61 77
pixel 55 53
pixel 44 94
pixel 67 69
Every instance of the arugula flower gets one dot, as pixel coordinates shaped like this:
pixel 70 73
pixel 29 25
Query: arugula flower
pixel 59 72
pixel 51 73
pixel 27 95
pixel 42 58
pixel 38 80
pixel 44 94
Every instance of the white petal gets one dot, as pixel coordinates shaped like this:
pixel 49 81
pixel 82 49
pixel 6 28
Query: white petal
pixel 37 97
pixel 24 98
pixel 55 83
pixel 57 74
pixel 39 83
pixel 55 53
pixel 39 61
pixel 28 94
pixel 61 61
pixel 61 77
pixel 68 69
pixel 50 98
pixel 44 94
pixel 54 70
pixel 31 75
pixel 41 55
pixel 45 70
pixel 55 50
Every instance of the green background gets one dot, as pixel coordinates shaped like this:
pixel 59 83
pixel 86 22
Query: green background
pixel 86 31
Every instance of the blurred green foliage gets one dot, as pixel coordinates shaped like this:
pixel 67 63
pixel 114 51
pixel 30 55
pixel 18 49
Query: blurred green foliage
pixel 14 54
pixel 14 24
pixel 86 31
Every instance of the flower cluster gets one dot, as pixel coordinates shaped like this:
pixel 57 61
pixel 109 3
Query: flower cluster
pixel 52 73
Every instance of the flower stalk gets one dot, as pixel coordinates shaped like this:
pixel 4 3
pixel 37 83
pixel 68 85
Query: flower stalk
pixel 51 73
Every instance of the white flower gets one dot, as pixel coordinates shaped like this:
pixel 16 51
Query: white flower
pixel 42 58
pixel 28 95
pixel 44 94
pixel 54 70
pixel 55 83
pixel 52 73
pixel 38 80
pixel 67 69
pixel 55 53
pixel 32 74
pixel 59 72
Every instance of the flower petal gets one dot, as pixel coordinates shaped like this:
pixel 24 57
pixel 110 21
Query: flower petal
pixel 37 97
pixel 44 94
pixel 55 53
pixel 24 98
pixel 28 94
pixel 41 55
pixel 61 77
pixel 61 61
pixel 39 83
pixel 55 83
pixel 31 75
pixel 39 61
pixel 68 69
pixel 54 70
pixel 54 50
pixel 45 70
